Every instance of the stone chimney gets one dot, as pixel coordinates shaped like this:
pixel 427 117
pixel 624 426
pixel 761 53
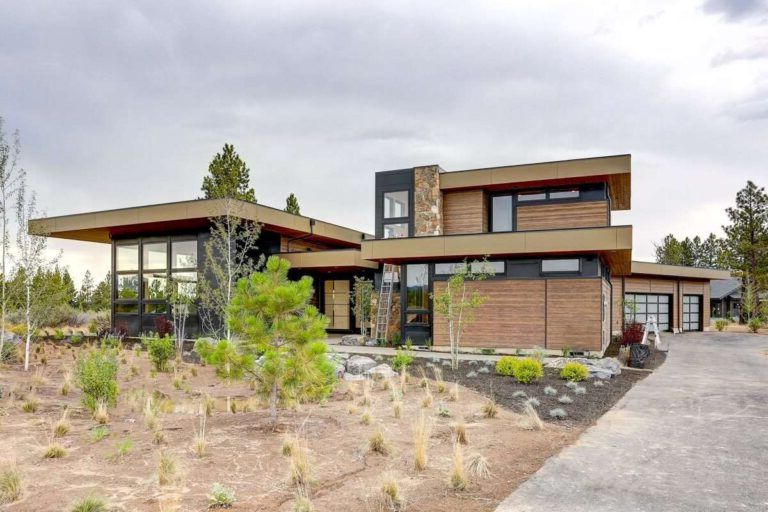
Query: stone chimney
pixel 428 201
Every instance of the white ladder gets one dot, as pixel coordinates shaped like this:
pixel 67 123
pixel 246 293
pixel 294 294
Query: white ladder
pixel 385 303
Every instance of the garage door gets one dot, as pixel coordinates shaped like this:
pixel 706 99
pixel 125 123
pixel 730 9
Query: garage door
pixel 639 306
pixel 691 312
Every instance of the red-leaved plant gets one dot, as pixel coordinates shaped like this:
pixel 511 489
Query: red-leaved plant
pixel 632 333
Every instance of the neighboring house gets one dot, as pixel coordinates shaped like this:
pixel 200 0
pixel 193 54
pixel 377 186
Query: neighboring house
pixel 562 271
pixel 725 298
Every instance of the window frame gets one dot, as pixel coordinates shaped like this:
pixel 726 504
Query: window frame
pixel 513 211
pixel 543 272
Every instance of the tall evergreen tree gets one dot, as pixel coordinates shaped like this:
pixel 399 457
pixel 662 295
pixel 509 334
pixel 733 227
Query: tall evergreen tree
pixel 292 205
pixel 102 294
pixel 228 177
pixel 85 295
pixel 747 235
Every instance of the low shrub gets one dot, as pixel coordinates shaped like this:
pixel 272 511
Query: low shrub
pixel 506 366
pixel 402 360
pixel 528 370
pixel 90 504
pixel 632 333
pixel 721 324
pixel 10 484
pixel 221 497
pixel 754 325
pixel 558 414
pixel 161 350
pixel 574 372
pixel 76 339
pixel 58 335
pixel 96 375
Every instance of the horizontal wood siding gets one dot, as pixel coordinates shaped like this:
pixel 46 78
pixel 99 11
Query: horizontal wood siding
pixel 512 316
pixel 606 324
pixel 618 305
pixel 465 212
pixel 672 287
pixel 563 215
pixel 574 317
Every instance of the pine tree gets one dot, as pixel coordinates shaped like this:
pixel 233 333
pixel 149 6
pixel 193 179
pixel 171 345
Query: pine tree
pixel 102 294
pixel 292 205
pixel 747 236
pixel 228 177
pixel 85 295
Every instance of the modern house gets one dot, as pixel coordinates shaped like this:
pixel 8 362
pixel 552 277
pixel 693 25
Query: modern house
pixel 562 273
pixel 725 298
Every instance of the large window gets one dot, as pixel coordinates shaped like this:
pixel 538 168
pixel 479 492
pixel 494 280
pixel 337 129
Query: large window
pixel 128 286
pixel 501 213
pixel 417 286
pixel 638 307
pixel 155 256
pixel 691 313
pixel 127 257
pixel 395 204
pixel 184 254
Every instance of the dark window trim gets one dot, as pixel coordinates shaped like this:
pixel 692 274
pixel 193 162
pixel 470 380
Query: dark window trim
pixel 489 198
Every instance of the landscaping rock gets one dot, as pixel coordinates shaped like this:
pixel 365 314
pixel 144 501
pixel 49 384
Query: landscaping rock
pixel 352 377
pixel 383 371
pixel 358 365
pixel 370 342
pixel 604 368
pixel 353 340
pixel 339 371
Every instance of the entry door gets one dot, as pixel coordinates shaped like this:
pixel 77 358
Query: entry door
pixel 337 303
pixel 691 312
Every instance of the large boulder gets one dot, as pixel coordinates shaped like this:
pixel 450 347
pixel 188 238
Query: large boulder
pixel 599 368
pixel 358 365
pixel 383 371
pixel 353 340
pixel 352 377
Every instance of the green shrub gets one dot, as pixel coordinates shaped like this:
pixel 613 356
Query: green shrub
pixel 402 360
pixel 8 354
pixel 110 342
pixel 222 497
pixel 506 366
pixel 96 375
pixel 721 324
pixel 527 370
pixel 574 372
pixel 76 339
pixel 161 350
pixel 754 324
pixel 58 335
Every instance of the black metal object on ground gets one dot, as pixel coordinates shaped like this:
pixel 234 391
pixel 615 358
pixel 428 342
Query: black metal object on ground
pixel 638 355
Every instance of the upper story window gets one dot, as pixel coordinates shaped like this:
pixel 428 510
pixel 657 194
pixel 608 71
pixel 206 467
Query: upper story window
pixel 184 254
pixel 127 257
pixel 155 255
pixel 501 213
pixel 480 267
pixel 531 196
pixel 397 230
pixel 561 266
pixel 395 204
pixel 565 194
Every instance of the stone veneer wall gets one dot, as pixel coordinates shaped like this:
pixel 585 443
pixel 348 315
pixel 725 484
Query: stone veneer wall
pixel 428 201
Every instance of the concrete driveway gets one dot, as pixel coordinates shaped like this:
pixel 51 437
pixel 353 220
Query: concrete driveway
pixel 693 436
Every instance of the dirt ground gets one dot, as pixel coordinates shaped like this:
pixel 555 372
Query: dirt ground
pixel 244 454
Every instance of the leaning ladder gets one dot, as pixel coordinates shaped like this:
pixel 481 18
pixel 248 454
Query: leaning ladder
pixel 385 302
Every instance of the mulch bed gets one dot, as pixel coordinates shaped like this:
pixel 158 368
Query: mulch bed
pixel 584 410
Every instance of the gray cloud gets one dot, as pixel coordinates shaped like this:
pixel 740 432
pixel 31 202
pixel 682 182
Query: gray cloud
pixel 737 10
pixel 124 103
pixel 757 51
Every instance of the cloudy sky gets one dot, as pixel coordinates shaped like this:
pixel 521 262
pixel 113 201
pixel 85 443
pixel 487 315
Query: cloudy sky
pixel 124 103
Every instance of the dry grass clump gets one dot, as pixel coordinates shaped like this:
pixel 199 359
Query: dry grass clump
pixel 490 409
pixel 366 400
pixel 290 443
pixel 351 409
pixel 302 503
pixel 478 466
pixel 54 451
pixel 10 483
pixel 300 471
pixel 454 395
pixel 423 382
pixel 458 475
pixel 90 504
pixel 166 406
pixel 420 442
pixel 38 379
pixel 439 382
pixel 158 436
pixel 377 443
pixel 366 418
pixel 31 404
pixel 134 370
pixel 385 385
pixel 199 445
pixel 66 384
pixel 427 400
pixel 210 404
pixel 530 419
pixel 460 432
pixel 166 468
pixel 100 414
pixel 389 495
pixel 150 415
pixel 404 379
pixel 397 408
pixel 61 427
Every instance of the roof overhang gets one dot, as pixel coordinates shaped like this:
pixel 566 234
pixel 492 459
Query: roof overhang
pixel 344 259
pixel 102 226
pixel 679 272
pixel 614 243
pixel 614 170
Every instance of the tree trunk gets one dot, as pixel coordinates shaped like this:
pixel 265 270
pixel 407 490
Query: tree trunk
pixel 2 286
pixel 29 326
pixel 273 405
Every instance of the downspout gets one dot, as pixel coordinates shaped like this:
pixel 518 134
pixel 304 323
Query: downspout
pixel 302 237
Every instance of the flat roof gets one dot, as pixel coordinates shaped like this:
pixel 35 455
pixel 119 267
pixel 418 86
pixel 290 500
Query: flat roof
pixel 614 243
pixel 615 170
pixel 341 259
pixel 658 269
pixel 101 226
